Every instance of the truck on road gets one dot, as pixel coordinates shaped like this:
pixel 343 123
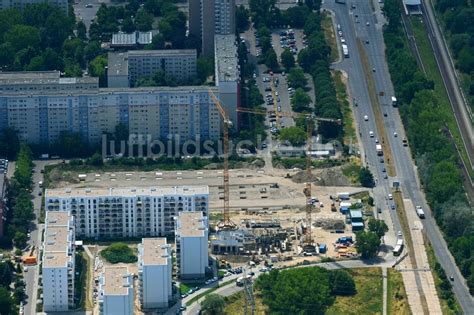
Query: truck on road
pixel 378 148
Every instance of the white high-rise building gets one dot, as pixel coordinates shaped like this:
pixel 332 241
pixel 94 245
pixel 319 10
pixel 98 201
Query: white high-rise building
pixel 58 262
pixel 127 212
pixel 154 273
pixel 115 291
pixel 191 245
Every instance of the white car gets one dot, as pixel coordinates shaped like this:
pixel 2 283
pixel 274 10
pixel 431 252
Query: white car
pixel 395 134
pixel 390 197
pixel 366 118
pixel 343 40
pixel 376 140
pixel 371 134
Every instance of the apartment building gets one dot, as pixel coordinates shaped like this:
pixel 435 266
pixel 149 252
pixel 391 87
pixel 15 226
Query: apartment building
pixel 21 4
pixel 182 113
pixel 58 262
pixel 127 212
pixel 154 273
pixel 208 18
pixel 116 291
pixel 227 73
pixel 191 244
pixel 125 68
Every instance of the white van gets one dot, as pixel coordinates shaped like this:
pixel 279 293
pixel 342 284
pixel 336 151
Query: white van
pixel 420 212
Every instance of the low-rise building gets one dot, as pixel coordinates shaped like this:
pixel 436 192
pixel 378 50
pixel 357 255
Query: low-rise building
pixel 127 212
pixel 154 273
pixel 357 220
pixel 191 244
pixel 115 291
pixel 125 68
pixel 131 40
pixel 58 263
pixel 232 242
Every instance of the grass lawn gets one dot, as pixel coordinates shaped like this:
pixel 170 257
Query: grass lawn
pixel 368 299
pixel 184 288
pixel 432 72
pixel 330 36
pixel 236 304
pixel 351 171
pixel 396 298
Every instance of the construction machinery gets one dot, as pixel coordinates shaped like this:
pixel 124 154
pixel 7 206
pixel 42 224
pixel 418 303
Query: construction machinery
pixel 226 223
pixel 307 240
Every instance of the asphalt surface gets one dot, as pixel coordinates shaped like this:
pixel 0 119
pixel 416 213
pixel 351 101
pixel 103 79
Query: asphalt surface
pixel 404 165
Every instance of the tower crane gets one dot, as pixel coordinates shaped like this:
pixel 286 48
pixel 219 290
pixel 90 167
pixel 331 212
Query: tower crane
pixel 226 223
pixel 307 240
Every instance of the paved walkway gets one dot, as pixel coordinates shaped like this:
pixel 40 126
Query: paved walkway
pixel 385 291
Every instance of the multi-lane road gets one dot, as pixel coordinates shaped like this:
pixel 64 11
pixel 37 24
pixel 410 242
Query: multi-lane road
pixel 361 23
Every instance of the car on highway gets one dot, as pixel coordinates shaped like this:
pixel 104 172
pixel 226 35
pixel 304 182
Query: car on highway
pixel 390 197
pixel 405 142
pixel 381 160
pixel 371 133
pixel 385 176
pixel 384 170
pixel 89 5
pixel 395 134
pixel 399 234
pixel 392 206
pixel 373 69
pixel 367 23
pixel 366 41
pixel 366 118
pixel 376 140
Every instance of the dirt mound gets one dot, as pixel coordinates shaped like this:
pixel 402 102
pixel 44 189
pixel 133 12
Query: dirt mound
pixel 324 177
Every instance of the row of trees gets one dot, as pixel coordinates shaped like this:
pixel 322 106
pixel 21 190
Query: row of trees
pixel 434 153
pixel 19 204
pixel 457 16
pixel 265 13
pixel 11 297
pixel 303 290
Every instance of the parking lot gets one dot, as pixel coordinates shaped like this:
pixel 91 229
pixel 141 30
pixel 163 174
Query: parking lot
pixel 274 86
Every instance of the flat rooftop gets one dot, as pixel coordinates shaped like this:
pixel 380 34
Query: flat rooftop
pixel 155 251
pixel 130 39
pixel 126 192
pixel 41 77
pixel 56 218
pixel 227 65
pixel 188 90
pixel 117 63
pixel 56 239
pixel 116 280
pixel 163 52
pixel 54 260
pixel 191 224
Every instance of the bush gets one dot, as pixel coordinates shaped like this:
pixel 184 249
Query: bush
pixel 119 253
pixel 342 283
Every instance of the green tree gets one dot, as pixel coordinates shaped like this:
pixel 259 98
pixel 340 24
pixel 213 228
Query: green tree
pixel 81 30
pixel 241 19
pixel 20 239
pixel 6 273
pixel 204 68
pixel 97 68
pixel 9 143
pixel 295 135
pixel 96 160
pixel 118 253
pixel 213 304
pixel 22 36
pixel 297 79
pixel 300 101
pixel 271 60
pixel 127 25
pixel 296 291
pixel 341 283
pixel 367 244
pixel 287 59
pixel 366 178
pixel 6 302
pixel 378 227
pixel 143 20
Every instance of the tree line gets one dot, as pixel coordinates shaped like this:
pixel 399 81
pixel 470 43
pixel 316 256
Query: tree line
pixel 435 156
pixel 457 16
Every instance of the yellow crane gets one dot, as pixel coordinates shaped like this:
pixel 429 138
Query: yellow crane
pixel 226 223
pixel 307 238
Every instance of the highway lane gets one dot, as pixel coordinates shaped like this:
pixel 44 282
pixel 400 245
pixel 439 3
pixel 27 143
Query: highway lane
pixel 406 173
